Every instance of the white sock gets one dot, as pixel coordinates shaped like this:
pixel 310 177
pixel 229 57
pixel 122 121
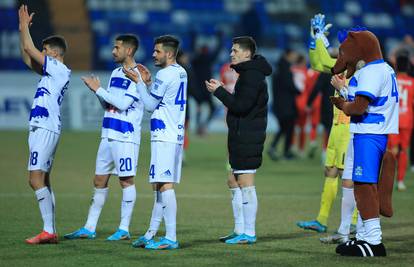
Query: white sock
pixel 44 197
pixel 170 214
pixel 129 194
pixel 156 216
pixel 98 201
pixel 249 210
pixel 237 204
pixel 347 210
pixel 54 207
pixel 373 234
pixel 360 235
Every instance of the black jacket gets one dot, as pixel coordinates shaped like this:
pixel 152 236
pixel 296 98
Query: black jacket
pixel 284 92
pixel 247 113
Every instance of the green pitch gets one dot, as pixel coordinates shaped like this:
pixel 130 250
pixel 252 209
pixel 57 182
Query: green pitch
pixel 287 192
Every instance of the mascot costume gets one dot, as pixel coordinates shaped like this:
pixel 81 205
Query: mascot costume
pixel 373 107
pixel 371 100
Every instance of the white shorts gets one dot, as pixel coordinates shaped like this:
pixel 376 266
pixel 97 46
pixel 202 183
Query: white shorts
pixel 42 148
pixel 242 171
pixel 349 160
pixel 121 155
pixel 166 159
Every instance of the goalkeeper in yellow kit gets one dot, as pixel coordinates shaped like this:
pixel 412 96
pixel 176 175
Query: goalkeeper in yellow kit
pixel 337 147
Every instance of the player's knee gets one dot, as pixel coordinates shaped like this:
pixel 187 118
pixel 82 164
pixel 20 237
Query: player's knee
pixel 100 181
pixel 395 150
pixel 162 187
pixel 331 172
pixel 232 182
pixel 36 180
pixel 347 183
pixel 245 180
pixel 126 181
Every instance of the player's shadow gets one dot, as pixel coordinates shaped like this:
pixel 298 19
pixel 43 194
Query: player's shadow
pixel 261 239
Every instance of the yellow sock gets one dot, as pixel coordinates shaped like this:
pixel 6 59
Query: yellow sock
pixel 330 189
pixel 355 217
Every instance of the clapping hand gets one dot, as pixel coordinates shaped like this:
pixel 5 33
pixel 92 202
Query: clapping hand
pixel 24 18
pixel 143 71
pixel 213 84
pixel 92 82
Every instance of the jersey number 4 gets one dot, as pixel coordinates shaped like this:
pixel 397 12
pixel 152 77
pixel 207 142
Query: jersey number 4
pixel 180 98
pixel 394 90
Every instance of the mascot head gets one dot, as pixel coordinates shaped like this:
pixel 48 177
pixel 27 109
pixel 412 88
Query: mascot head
pixel 358 47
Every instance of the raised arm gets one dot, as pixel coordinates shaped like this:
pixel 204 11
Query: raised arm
pixel 31 56
pixel 318 54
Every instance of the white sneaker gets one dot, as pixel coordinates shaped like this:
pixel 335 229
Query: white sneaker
pixel 401 186
pixel 412 168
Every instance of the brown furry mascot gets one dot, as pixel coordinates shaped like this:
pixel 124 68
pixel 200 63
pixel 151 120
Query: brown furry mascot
pixel 374 115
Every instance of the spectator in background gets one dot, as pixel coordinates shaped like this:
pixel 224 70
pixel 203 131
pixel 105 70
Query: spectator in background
pixel 299 71
pixel 250 23
pixel 399 143
pixel 202 65
pixel 284 106
pixel 323 87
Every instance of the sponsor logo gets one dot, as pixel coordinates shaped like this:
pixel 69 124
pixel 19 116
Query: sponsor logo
pixel 167 173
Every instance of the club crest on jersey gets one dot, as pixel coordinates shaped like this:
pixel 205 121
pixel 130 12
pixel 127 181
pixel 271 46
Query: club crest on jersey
pixel 157 125
pixel 41 92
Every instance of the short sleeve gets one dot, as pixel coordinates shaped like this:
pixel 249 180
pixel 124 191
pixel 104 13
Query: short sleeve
pixel 369 84
pixel 160 85
pixel 52 67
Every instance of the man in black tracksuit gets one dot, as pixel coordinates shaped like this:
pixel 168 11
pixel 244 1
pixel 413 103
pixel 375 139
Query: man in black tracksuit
pixel 247 121
pixel 284 103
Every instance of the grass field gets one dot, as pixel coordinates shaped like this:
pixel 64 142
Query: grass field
pixel 287 192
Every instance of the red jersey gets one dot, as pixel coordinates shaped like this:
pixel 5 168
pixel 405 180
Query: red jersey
pixel 299 78
pixel 406 100
pixel 228 76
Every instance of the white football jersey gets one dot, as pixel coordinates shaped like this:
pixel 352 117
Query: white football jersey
pixel 167 120
pixel 377 81
pixel 124 125
pixel 49 95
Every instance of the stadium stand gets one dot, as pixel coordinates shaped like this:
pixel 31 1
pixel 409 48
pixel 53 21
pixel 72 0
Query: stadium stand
pixel 282 23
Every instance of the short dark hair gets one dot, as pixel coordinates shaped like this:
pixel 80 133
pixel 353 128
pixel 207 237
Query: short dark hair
pixel 402 62
pixel 129 39
pixel 169 42
pixel 56 41
pixel 246 43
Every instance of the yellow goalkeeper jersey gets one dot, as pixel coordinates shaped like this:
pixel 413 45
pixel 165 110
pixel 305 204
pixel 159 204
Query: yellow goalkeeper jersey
pixel 321 61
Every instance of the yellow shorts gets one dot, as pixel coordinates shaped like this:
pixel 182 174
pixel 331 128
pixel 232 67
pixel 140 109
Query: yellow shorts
pixel 337 146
